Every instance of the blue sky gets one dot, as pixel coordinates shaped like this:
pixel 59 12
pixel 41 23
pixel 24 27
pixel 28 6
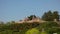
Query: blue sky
pixel 19 9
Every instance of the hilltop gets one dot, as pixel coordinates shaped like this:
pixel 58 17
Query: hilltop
pixel 34 19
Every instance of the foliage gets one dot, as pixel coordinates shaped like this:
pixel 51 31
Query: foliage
pixel 56 15
pixel 33 31
pixel 49 16
pixel 23 28
pixel 44 32
pixel 32 16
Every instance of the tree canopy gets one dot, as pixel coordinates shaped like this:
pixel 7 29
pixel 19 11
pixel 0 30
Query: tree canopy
pixel 50 16
pixel 31 16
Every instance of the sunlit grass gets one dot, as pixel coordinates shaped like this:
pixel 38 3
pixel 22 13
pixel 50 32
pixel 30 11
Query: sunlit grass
pixel 33 31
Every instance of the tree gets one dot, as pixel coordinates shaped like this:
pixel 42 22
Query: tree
pixel 56 15
pixel 44 16
pixel 31 16
pixel 47 16
pixel 1 22
pixel 59 17
pixel 12 22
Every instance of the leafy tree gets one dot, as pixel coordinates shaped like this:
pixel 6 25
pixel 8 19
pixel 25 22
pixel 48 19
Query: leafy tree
pixel 44 16
pixel 1 22
pixel 47 16
pixel 32 16
pixel 12 22
pixel 56 15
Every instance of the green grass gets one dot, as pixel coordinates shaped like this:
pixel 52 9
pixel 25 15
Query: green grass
pixel 32 31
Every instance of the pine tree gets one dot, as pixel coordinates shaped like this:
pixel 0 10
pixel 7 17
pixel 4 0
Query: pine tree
pixel 47 16
pixel 56 15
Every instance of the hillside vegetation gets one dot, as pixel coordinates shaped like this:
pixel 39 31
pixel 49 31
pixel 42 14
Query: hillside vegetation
pixel 22 28
pixel 48 24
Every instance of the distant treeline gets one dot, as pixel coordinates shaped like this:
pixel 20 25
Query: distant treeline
pixel 50 16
